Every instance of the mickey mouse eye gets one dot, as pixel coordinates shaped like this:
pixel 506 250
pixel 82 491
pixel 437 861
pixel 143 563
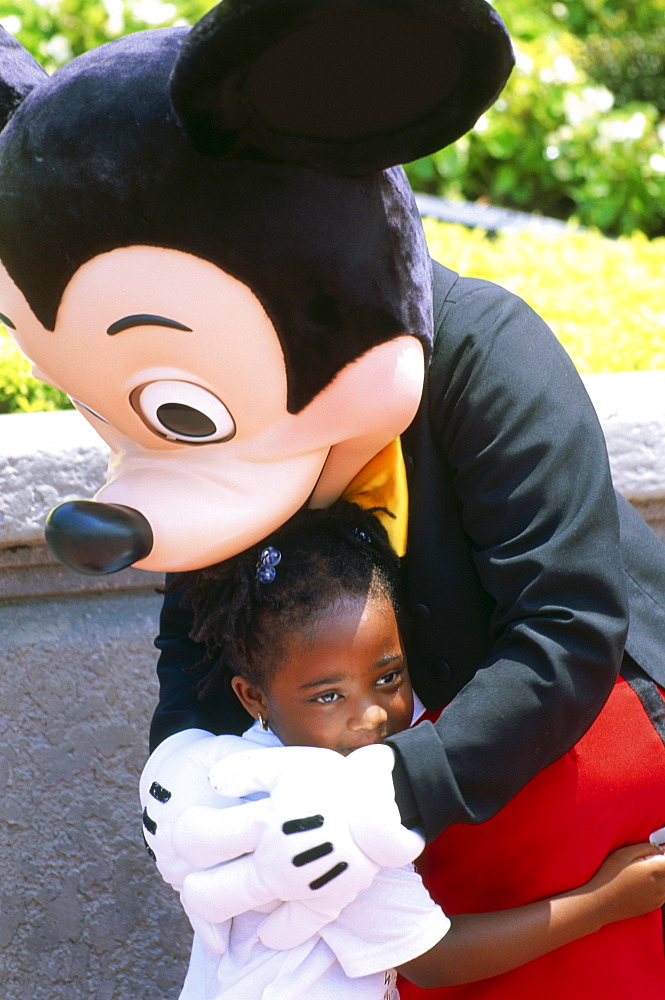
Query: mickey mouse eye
pixel 182 411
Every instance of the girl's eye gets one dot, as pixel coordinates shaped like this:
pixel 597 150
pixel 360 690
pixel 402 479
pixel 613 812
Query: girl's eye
pixel 328 698
pixel 389 679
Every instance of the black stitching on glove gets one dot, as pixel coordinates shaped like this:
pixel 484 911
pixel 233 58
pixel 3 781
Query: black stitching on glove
pixel 159 792
pixel 148 823
pixel 313 854
pixel 329 876
pixel 303 824
pixel 149 849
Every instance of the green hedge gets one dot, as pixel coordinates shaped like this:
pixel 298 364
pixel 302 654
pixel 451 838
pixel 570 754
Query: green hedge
pixel 603 298
pixel 562 144
pixel 579 131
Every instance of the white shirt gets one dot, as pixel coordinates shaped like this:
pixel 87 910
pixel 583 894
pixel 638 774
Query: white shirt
pixel 391 922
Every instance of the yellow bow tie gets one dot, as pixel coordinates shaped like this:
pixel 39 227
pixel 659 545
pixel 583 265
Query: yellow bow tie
pixel 382 483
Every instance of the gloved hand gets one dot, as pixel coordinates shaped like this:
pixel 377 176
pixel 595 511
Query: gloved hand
pixel 319 837
pixel 174 780
pixel 328 825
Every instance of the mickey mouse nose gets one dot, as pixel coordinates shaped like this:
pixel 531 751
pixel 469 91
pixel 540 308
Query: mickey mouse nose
pixel 97 538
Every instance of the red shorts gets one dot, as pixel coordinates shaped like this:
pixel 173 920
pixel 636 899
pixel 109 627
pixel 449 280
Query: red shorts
pixel 608 791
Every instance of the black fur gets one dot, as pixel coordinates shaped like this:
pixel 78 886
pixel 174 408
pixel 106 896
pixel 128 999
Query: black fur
pixel 96 157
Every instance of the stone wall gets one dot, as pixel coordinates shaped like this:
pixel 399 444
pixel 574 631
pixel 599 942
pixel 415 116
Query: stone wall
pixel 83 915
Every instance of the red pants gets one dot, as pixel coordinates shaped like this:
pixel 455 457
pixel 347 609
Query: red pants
pixel 608 791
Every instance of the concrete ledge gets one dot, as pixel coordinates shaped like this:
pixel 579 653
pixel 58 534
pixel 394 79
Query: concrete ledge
pixel 47 458
pixel 83 916
pixel 631 409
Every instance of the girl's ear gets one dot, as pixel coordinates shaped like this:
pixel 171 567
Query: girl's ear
pixel 251 698
pixel 344 86
pixel 19 74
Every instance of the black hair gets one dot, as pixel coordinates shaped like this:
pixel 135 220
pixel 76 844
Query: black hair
pixel 324 556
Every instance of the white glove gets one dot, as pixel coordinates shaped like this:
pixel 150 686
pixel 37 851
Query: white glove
pixel 327 826
pixel 303 837
pixel 374 818
pixel 174 780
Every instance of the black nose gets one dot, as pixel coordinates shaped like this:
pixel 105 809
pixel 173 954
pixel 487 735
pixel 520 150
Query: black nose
pixel 97 538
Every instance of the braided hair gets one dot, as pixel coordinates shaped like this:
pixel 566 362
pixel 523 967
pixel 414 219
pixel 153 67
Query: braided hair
pixel 245 609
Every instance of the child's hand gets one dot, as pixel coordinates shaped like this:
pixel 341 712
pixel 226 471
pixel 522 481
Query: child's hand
pixel 630 882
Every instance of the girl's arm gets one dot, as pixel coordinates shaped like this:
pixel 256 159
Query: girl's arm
pixel 630 882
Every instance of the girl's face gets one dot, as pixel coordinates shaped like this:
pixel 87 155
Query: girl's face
pixel 344 682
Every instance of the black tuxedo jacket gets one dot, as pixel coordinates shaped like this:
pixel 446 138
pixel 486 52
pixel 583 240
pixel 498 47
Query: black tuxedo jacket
pixel 514 574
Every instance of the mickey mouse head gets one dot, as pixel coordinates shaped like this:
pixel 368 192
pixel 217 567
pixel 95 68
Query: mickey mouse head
pixel 206 244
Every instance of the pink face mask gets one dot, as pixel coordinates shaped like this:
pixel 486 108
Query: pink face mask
pixel 184 378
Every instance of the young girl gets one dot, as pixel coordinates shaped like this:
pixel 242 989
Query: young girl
pixel 309 625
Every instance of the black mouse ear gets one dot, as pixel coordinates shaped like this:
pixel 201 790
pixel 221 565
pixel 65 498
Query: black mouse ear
pixel 347 86
pixel 19 74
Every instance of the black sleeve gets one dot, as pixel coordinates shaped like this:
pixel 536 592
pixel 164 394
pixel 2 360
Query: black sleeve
pixel 522 447
pixel 179 705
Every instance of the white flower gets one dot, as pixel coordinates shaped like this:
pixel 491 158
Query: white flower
pixel 657 163
pixel 562 70
pixel 523 62
pixel 599 98
pixel 58 48
pixel 115 24
pixel 618 130
pixel 12 24
pixel 576 109
pixel 153 11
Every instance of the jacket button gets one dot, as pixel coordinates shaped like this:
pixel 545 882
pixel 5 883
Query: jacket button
pixel 421 613
pixel 444 670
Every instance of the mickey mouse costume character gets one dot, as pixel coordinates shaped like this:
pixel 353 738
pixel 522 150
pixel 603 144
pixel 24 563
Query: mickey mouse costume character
pixel 206 243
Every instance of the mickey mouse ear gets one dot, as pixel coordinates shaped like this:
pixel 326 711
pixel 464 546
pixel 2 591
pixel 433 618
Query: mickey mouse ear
pixel 19 74
pixel 347 86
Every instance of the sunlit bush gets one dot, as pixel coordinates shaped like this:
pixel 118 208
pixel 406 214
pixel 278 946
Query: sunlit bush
pixel 603 298
pixel 19 391
pixel 555 143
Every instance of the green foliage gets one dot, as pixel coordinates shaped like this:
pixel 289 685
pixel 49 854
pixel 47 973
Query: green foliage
pixel 631 66
pixel 579 132
pixel 555 143
pixel 19 391
pixel 603 298
pixel 55 31
pixel 586 18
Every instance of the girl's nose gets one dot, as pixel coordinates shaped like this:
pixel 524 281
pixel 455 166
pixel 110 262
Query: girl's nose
pixel 372 717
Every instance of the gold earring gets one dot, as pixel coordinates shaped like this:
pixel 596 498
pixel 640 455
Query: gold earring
pixel 264 723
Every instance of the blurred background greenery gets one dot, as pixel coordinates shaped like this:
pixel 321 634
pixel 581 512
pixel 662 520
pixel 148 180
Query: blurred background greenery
pixel 578 135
